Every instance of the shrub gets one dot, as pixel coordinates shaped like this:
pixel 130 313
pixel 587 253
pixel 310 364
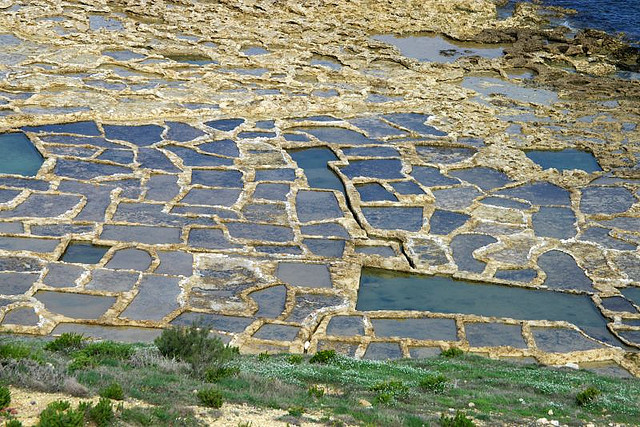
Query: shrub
pixel 60 413
pixel 433 383
pixel 81 361
pixel 295 359
pixel 452 352
pixel 30 374
pixel 5 397
pixel 71 386
pixel 217 373
pixel 315 391
pixel 384 398
pixel 14 351
pixel 112 391
pixel 324 357
pixel 388 391
pixel 13 423
pixel 458 420
pixel 194 346
pixel 210 398
pixel 397 388
pixel 144 357
pixel 587 396
pixel 264 356
pixel 66 342
pixel 296 411
pixel 109 350
pixel 102 413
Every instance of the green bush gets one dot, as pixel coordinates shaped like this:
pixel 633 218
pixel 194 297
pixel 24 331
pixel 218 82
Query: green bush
pixel 13 423
pixel 397 388
pixel 61 414
pixel 210 398
pixel 452 352
pixel 384 398
pixel 81 361
pixel 218 373
pixel 109 350
pixel 458 420
pixel 102 413
pixel 112 391
pixel 388 391
pixel 587 396
pixel 66 342
pixel 315 391
pixel 324 357
pixel 5 397
pixel 433 383
pixel 14 351
pixel 296 411
pixel 194 346
pixel 264 356
pixel 295 359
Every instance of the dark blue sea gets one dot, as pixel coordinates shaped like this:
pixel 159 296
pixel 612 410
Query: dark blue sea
pixel 612 16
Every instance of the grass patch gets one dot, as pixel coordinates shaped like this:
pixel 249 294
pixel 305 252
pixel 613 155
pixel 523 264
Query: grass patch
pixel 157 416
pixel 403 392
pixel 15 351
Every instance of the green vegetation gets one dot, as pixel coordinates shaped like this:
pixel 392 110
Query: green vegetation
pixel 217 373
pixel 5 397
pixel 389 391
pixel 210 398
pixel 194 346
pixel 66 342
pixel 296 411
pixel 458 420
pixel 296 359
pixel 401 393
pixel 15 351
pixel 101 414
pixel 323 357
pixel 315 391
pixel 587 396
pixel 452 352
pixel 60 413
pixel 112 391
pixel 433 383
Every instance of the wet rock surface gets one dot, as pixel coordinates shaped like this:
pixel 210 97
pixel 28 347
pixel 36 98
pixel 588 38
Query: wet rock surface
pixel 248 186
